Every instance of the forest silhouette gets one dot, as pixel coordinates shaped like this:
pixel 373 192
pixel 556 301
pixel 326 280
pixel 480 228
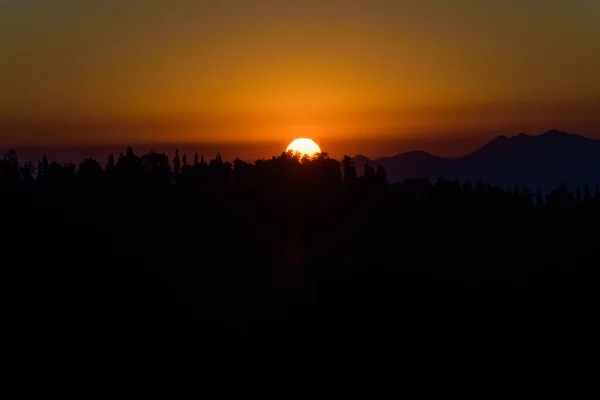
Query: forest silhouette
pixel 148 274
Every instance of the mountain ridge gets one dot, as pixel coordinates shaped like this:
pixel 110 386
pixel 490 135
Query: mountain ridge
pixel 538 161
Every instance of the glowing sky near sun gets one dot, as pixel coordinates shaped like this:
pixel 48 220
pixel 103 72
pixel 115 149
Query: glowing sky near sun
pixel 229 70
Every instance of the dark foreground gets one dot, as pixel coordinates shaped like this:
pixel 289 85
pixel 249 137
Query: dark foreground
pixel 139 281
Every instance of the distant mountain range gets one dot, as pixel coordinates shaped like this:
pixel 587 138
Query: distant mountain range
pixel 541 161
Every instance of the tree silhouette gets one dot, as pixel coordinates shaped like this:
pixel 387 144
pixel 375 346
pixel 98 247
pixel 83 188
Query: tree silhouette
pixel 176 163
pixel 587 195
pixel 350 175
pixel 45 165
pixel 110 165
pixel 90 168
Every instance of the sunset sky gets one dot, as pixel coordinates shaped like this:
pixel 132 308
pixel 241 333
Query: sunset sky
pixel 439 75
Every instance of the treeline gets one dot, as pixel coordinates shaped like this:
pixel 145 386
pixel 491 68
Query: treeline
pixel 289 173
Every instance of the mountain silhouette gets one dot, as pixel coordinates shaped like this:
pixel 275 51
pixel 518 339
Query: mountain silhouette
pixel 541 161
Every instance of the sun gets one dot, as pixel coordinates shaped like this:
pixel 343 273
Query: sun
pixel 304 146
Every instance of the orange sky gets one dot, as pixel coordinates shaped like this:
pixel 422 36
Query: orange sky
pixel 81 72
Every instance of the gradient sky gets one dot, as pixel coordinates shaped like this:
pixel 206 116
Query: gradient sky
pixel 116 71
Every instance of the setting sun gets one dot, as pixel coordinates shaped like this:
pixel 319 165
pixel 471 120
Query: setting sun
pixel 304 146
